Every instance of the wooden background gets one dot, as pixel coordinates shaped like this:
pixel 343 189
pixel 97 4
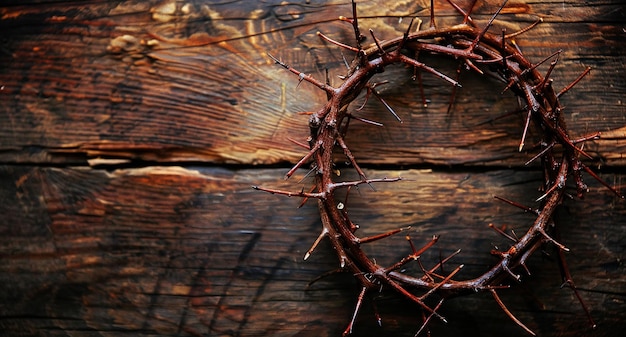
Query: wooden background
pixel 131 133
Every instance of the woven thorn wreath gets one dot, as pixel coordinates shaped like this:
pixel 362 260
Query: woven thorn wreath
pixel 481 51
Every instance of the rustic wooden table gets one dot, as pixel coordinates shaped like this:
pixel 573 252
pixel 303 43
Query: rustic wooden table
pixel 131 133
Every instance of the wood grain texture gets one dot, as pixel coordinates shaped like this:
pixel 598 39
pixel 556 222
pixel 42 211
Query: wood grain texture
pixel 173 81
pixel 170 251
pixel 102 234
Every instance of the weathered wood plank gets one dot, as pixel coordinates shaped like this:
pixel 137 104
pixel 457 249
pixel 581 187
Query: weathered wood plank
pixel 173 251
pixel 172 81
pixel 194 251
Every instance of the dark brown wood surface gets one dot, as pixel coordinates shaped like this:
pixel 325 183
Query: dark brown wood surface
pixel 127 80
pixel 195 251
pixel 131 133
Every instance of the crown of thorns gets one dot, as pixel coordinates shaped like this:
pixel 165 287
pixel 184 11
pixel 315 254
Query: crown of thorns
pixel 478 49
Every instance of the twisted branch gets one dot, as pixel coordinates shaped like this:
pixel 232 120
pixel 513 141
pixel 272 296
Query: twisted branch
pixel 328 126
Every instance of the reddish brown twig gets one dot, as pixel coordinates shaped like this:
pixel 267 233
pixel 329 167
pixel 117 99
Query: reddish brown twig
pixel 328 126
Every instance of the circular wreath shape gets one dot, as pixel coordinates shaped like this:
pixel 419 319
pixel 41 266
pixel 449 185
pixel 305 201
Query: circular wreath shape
pixel 480 50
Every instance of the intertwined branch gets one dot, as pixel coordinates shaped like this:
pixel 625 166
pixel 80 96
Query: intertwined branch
pixel 477 48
